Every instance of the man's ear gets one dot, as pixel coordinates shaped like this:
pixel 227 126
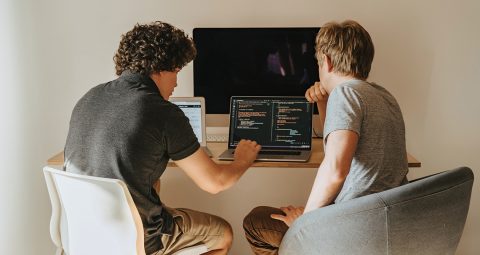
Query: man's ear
pixel 155 74
pixel 328 62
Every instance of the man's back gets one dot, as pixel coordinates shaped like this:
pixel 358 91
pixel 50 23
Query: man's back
pixel 380 160
pixel 124 129
pixel 119 127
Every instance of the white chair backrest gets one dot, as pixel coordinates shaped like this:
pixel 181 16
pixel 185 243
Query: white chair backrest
pixel 56 211
pixel 93 215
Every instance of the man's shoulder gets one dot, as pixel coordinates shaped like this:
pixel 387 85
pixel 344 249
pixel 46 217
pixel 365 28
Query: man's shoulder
pixel 347 93
pixel 356 87
pixel 367 91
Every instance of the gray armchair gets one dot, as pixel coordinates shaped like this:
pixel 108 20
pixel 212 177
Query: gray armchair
pixel 425 216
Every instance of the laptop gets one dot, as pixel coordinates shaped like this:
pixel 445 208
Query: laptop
pixel 194 109
pixel 281 125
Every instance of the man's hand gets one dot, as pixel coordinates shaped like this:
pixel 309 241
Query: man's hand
pixel 246 152
pixel 316 93
pixel 291 214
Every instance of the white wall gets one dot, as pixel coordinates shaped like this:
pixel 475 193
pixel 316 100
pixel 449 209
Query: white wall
pixel 52 52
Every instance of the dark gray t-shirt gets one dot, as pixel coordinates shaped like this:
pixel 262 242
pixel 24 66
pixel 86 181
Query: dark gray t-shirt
pixel 380 160
pixel 124 129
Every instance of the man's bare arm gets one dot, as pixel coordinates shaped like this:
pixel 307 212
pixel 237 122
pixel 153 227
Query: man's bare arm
pixel 333 171
pixel 212 177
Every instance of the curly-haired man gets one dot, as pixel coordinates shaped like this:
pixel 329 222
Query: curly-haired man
pixel 126 129
pixel 364 134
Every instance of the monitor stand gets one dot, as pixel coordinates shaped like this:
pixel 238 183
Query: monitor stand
pixel 217 127
pixel 217 120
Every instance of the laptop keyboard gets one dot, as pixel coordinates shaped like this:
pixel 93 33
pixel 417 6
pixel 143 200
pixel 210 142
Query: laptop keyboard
pixel 277 152
pixel 280 152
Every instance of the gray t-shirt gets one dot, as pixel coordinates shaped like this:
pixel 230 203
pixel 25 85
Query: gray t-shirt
pixel 125 130
pixel 380 160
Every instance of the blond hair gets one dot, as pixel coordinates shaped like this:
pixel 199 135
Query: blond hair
pixel 349 47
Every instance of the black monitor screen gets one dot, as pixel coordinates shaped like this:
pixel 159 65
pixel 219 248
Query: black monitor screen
pixel 252 62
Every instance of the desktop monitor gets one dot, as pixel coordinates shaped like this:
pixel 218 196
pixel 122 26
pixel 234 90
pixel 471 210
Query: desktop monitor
pixel 252 62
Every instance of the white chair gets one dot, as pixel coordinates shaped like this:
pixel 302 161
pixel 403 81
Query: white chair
pixel 93 215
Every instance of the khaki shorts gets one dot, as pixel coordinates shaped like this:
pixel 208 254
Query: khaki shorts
pixel 193 228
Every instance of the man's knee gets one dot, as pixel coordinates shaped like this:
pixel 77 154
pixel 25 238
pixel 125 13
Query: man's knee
pixel 227 234
pixel 257 217
pixel 263 233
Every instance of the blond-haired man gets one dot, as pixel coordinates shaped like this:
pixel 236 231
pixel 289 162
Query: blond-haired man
pixel 364 134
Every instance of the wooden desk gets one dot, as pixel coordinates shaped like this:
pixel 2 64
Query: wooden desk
pixel 266 183
pixel 218 148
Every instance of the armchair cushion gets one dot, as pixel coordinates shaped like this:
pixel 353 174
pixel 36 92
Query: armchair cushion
pixel 425 216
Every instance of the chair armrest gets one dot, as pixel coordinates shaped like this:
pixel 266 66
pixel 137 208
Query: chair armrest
pixel 344 228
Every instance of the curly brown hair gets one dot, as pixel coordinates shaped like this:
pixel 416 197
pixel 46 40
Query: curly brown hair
pixel 152 48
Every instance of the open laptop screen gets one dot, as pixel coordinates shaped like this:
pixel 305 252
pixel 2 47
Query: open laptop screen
pixel 193 111
pixel 274 122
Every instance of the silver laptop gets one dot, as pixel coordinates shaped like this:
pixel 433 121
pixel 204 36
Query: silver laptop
pixel 281 125
pixel 194 109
